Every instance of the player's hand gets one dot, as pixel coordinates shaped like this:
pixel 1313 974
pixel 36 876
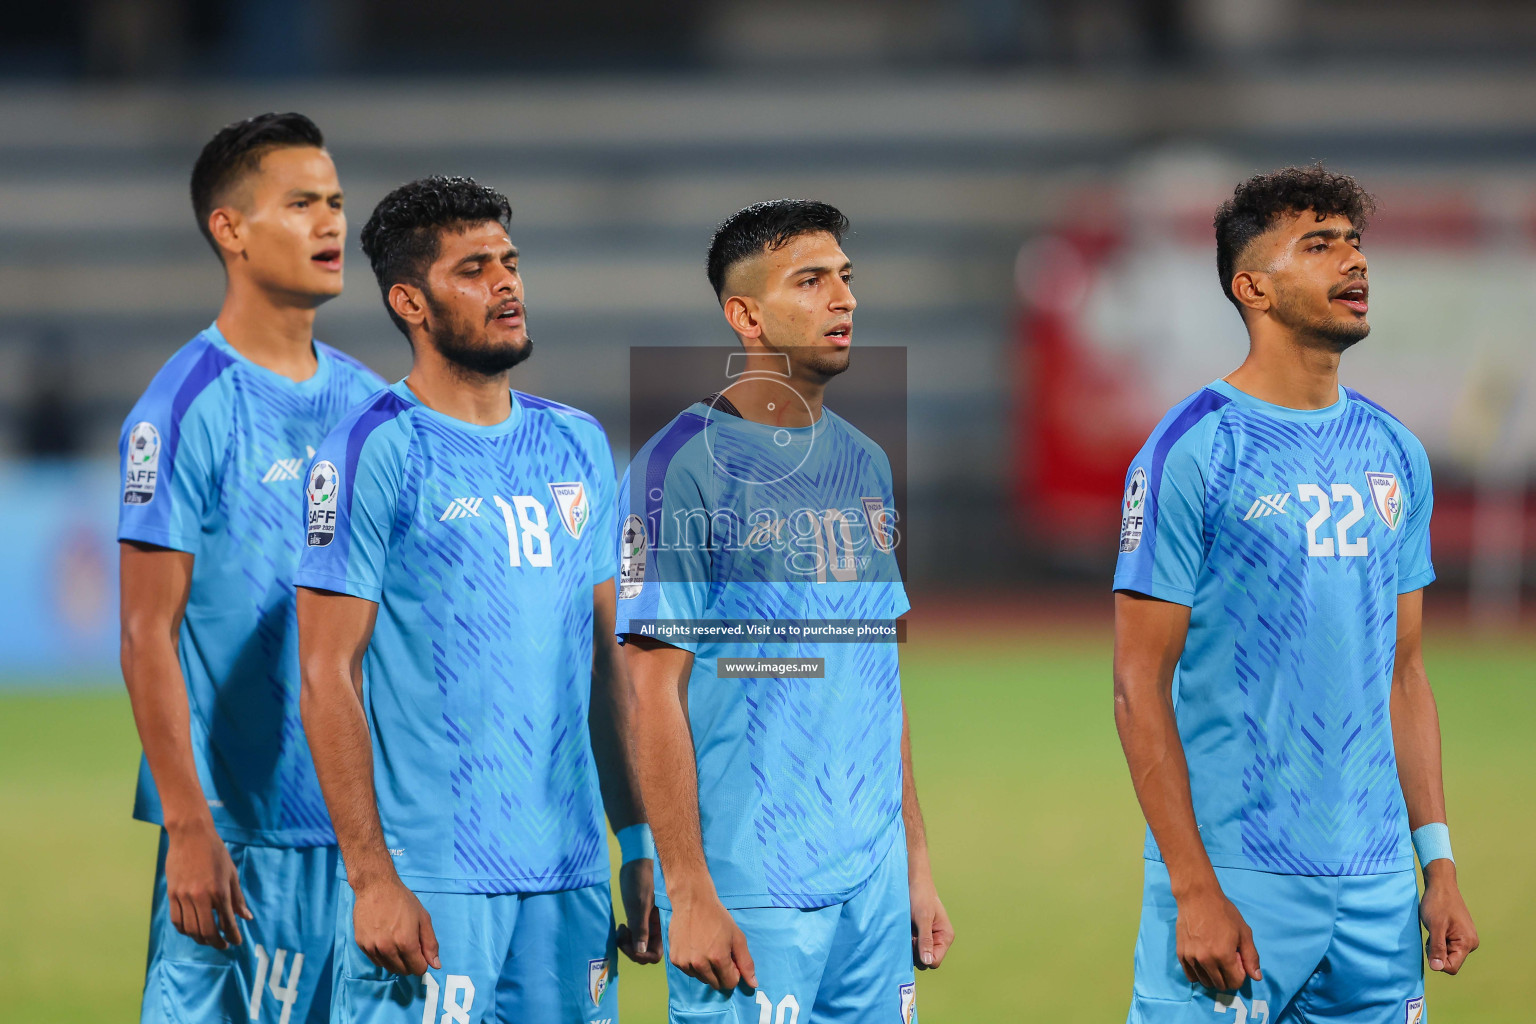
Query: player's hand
pixel 202 886
pixel 1215 944
pixel 640 934
pixel 706 944
pixel 393 929
pixel 932 934
pixel 1452 935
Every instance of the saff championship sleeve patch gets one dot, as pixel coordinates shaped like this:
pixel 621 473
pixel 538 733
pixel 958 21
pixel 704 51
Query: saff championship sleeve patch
pixel 1133 511
pixel 321 490
pixel 632 547
pixel 141 468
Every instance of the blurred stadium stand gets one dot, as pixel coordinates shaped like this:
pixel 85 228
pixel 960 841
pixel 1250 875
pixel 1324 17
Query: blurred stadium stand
pixel 994 155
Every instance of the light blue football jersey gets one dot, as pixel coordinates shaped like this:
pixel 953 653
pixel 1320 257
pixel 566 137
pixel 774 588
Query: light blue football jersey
pixel 213 457
pixel 481 545
pixel 733 522
pixel 1290 535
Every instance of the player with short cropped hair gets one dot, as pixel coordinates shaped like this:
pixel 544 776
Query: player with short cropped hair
pixel 798 887
pixel 1270 689
pixel 463 690
pixel 212 458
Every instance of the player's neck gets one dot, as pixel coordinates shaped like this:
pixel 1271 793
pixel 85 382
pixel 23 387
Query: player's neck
pixel 269 331
pixel 760 398
pixel 483 401
pixel 1283 370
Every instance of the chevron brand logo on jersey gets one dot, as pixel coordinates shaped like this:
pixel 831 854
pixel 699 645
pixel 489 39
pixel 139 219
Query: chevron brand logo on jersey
pixel 1268 505
pixel 571 500
pixel 284 469
pixel 908 992
pixel 461 508
pixel 597 979
pixel 1387 496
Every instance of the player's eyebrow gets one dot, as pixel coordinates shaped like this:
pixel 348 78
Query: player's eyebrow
pixel 1331 234
pixel 510 252
pixel 820 268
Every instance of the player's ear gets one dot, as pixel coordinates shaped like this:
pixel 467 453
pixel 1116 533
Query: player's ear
pixel 1253 290
pixel 741 312
pixel 406 301
pixel 228 230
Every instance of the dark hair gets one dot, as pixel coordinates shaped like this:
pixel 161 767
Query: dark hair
pixel 1258 202
pixel 402 235
pixel 236 151
pixel 764 227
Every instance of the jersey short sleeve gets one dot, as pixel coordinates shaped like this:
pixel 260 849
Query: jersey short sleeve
pixel 665 565
pixel 351 495
pixel 1415 569
pixel 1162 515
pixel 171 451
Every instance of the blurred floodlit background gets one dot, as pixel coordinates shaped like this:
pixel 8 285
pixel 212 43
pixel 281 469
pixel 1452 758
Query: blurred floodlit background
pixel 1030 183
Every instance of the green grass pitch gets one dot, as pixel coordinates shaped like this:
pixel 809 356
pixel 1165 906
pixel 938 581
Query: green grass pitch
pixel 1035 835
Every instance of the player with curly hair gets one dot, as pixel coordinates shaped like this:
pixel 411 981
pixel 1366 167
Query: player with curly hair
pixel 462 684
pixel 1270 690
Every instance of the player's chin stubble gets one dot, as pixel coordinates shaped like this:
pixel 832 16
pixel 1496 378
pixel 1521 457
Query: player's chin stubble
pixel 1330 332
pixel 468 351
pixel 826 363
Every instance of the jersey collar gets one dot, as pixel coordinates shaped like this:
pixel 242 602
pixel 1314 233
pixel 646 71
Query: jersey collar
pixel 311 384
pixel 1247 401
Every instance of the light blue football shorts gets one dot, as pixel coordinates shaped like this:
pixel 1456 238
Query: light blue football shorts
pixel 1343 949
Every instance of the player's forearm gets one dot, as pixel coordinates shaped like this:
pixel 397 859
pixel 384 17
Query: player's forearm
pixel 1416 740
pixel 664 765
pixel 1149 640
pixel 334 630
pixel 1155 755
pixel 158 693
pixel 154 586
pixel 911 811
pixel 343 755
pixel 670 787
pixel 1415 718
pixel 609 722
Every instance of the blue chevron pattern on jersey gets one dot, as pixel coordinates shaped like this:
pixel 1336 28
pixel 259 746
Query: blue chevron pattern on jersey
pixel 726 519
pixel 481 545
pixel 1290 534
pixel 212 457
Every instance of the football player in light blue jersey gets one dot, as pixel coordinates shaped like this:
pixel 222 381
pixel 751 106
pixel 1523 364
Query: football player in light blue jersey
pixel 213 456
pixel 1270 690
pixel 463 690
pixel 797 884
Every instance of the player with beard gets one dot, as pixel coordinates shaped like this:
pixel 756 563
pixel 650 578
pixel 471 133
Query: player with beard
pixel 213 455
pixel 797 883
pixel 461 682
pixel 1270 689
